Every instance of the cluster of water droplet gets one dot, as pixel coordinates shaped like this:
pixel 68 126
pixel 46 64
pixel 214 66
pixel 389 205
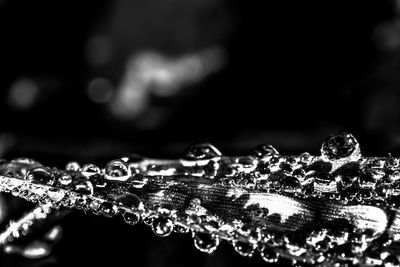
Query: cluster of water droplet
pixel 209 194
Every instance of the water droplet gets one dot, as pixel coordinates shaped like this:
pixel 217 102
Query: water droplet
pixel 391 261
pixel 290 184
pixel 392 163
pixel 90 169
pixel 129 201
pixel 25 161
pixel 55 233
pixel 40 175
pixel 65 179
pixel 138 181
pixel 269 255
pixel 202 151
pixel 341 145
pixel 375 169
pixel 162 226
pixel 117 170
pixel 299 173
pixel 305 158
pixel 244 248
pixel 131 218
pixel 395 176
pixel 55 194
pixel 147 220
pixel 108 209
pixel 263 168
pixel 82 185
pixel 15 191
pixel 181 229
pixel 194 202
pixel 72 166
pixel 205 242
pixel 36 250
pixel 264 150
pixel 132 158
pixel 19 167
pixel 211 169
pixel 98 180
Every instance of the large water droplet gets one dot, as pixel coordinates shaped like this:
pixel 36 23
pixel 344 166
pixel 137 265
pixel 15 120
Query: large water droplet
pixel 202 151
pixel 341 145
pixel 40 175
pixel 205 242
pixel 117 170
pixel 264 150
pixel 162 226
pixel 19 167
pixel 129 201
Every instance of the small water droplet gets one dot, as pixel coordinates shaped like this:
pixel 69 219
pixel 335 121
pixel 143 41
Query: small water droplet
pixel 263 168
pixel 131 218
pixel 162 226
pixel 395 176
pixel 392 163
pixel 205 242
pixel 181 229
pixel 54 235
pixel 305 158
pixel 341 145
pixel 269 255
pixel 211 169
pixel 263 150
pixel 40 175
pixel 244 248
pixel 202 151
pixel 16 191
pixel 72 166
pixel 108 209
pixel 139 180
pixel 98 180
pixel 299 173
pixel 90 169
pixel 132 158
pixel 194 202
pixel 290 184
pixel 147 220
pixel 117 170
pixel 375 169
pixel 65 179
pixel 82 185
pixel 55 194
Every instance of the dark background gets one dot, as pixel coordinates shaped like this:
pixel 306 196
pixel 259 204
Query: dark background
pixel 290 73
